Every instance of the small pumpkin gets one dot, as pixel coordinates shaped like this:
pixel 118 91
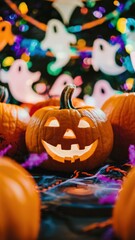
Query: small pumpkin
pixel 19 202
pixel 74 138
pixel 124 209
pixel 13 123
pixel 120 110
pixel 55 101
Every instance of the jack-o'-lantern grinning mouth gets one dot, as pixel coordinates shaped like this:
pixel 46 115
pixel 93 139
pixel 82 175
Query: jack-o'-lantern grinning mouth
pixel 60 155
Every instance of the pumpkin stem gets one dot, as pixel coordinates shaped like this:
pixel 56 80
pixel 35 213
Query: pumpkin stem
pixel 3 94
pixel 65 99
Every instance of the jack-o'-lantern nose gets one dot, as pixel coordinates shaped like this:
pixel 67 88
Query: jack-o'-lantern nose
pixel 69 134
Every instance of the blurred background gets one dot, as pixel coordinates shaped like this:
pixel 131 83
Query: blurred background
pixel 47 44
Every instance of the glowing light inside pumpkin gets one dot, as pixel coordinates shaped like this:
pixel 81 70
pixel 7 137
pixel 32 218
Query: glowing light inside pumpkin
pixel 83 124
pixel 60 155
pixel 69 134
pixel 52 122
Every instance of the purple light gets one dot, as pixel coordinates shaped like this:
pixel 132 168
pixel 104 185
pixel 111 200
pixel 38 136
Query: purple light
pixel 131 155
pixel 97 14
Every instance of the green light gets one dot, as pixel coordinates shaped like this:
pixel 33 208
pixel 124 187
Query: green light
pixel 90 3
pixel 29 64
pixel 53 71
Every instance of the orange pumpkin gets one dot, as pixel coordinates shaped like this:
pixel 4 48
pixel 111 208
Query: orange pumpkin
pixel 55 101
pixel 19 202
pixel 120 110
pixel 74 138
pixel 13 123
pixel 124 209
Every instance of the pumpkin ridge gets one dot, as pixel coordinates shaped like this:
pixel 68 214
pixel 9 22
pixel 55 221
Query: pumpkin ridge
pixel 99 131
pixel 17 208
pixel 20 186
pixel 124 225
pixel 38 135
pixel 121 111
pixel 34 129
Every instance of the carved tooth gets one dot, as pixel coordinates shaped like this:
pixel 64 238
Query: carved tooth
pixel 74 147
pixel 59 146
pixel 88 147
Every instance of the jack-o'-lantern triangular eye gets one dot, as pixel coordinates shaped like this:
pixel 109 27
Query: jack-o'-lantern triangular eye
pixel 52 122
pixel 83 123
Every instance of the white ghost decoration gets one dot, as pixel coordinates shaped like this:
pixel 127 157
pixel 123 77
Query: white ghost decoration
pixel 103 58
pixel 129 35
pixel 132 57
pixel 66 8
pixel 60 83
pixel 58 40
pixel 101 92
pixel 20 81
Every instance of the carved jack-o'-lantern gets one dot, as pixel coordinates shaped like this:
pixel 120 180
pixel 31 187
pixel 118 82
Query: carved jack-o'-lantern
pixel 74 138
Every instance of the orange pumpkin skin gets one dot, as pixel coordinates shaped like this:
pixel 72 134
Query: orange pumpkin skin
pixel 13 123
pixel 80 139
pixel 19 202
pixel 124 209
pixel 120 110
pixel 55 101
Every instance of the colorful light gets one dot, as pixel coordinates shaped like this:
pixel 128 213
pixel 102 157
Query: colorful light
pixel 97 14
pixel 52 71
pixel 7 61
pixel 130 83
pixel 23 7
pixel 116 3
pixel 129 48
pixel 121 25
pixel 25 57
pixel 81 43
pixel 84 10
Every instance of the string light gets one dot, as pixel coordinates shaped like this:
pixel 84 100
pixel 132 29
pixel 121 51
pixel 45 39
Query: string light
pixel 7 61
pixel 23 8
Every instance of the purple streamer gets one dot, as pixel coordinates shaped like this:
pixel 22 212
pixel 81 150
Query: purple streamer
pixel 5 150
pixel 34 160
pixel 131 155
pixel 109 199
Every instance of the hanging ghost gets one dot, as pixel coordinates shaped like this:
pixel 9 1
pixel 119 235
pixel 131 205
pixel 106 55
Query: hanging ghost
pixel 20 81
pixel 60 83
pixel 58 40
pixel 101 92
pixel 132 57
pixel 129 35
pixel 66 8
pixel 103 58
pixel 6 35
